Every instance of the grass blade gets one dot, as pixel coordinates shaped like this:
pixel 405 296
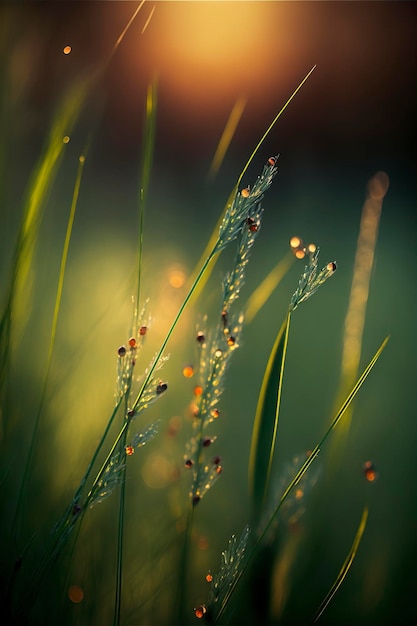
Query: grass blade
pixel 346 565
pixel 303 469
pixel 266 418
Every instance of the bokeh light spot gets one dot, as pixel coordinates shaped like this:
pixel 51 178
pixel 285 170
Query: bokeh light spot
pixel 67 49
pixel 176 278
pixel 75 594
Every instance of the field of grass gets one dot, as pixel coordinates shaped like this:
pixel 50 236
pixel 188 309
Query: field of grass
pixel 188 430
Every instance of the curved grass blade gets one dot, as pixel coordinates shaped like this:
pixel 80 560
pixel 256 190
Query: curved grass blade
pixel 303 469
pixel 57 306
pixel 345 567
pixel 266 418
pixel 213 236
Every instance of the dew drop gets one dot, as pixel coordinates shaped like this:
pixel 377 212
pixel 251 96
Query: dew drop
pixel 332 267
pixel 206 442
pixel 200 611
pixel 129 450
pixel 219 469
pixel 296 242
pixel 189 463
pixel 231 341
pixel 300 253
pixel 218 353
pixel 67 49
pixel 370 472
pixel 143 330
pixel 66 139
pixel 311 248
pixel 132 342
pixel 200 337
pixel 209 578
pixel 188 371
pixel 245 192
pixel 215 413
pixel 272 161
pixel 121 351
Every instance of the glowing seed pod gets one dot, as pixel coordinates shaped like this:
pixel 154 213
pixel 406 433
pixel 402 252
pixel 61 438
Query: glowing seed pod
pixel 311 248
pixel 198 390
pixel 218 353
pixel 132 342
pixel 332 267
pixel 272 161
pixel 296 242
pixel 161 388
pixel 143 330
pixel 209 578
pixel 200 337
pixel 67 49
pixel 370 472
pixel 200 611
pixel 130 450
pixel 215 413
pixel 189 463
pixel 300 253
pixel 121 351
pixel 231 341
pixel 245 192
pixel 219 469
pixel 188 371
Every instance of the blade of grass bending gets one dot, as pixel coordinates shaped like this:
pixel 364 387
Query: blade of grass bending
pixel 266 419
pixel 345 567
pixel 52 337
pixel 37 192
pixel 303 469
pixel 239 180
pixel 148 149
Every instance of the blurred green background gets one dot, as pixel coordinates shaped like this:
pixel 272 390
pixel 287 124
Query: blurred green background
pixel 354 117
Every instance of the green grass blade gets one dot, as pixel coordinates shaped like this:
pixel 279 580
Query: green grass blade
pixel 345 567
pixel 148 149
pixel 18 295
pixel 213 236
pixel 305 467
pixel 57 306
pixel 266 419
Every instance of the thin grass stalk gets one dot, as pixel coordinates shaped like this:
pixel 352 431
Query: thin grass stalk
pixel 303 469
pixel 57 307
pixel 149 142
pixel 213 236
pixel 266 419
pixel 345 567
